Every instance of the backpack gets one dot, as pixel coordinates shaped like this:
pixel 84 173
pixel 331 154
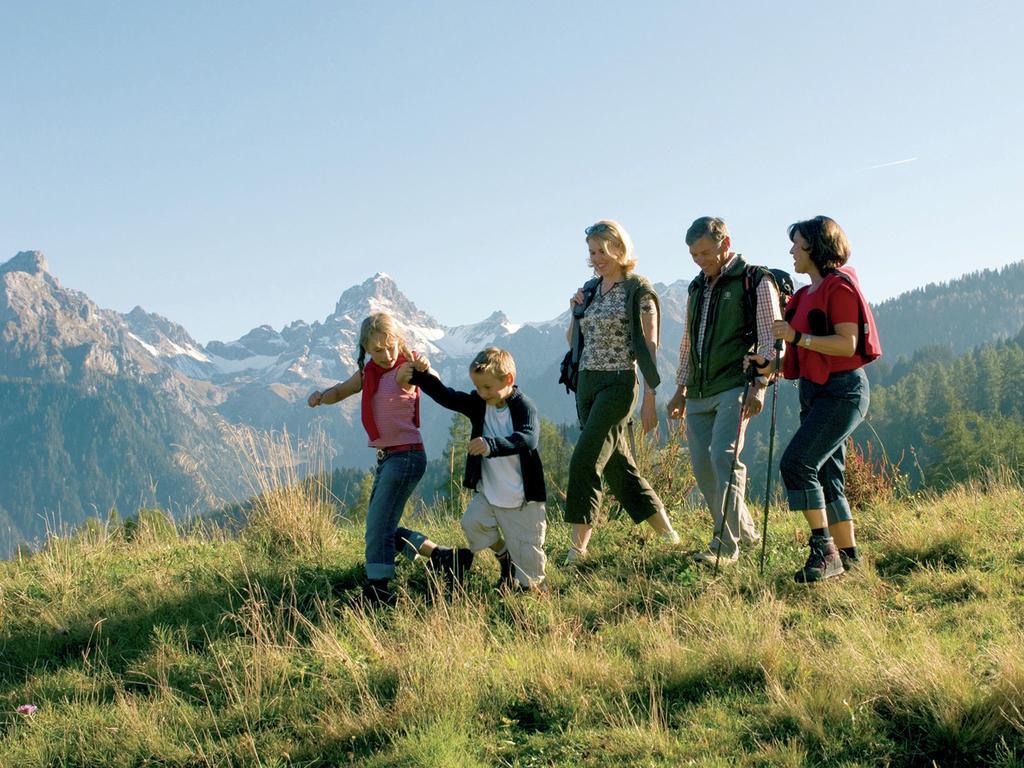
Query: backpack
pixel 752 277
pixel 569 369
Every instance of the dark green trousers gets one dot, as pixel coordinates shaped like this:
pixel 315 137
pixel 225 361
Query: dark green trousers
pixel 604 402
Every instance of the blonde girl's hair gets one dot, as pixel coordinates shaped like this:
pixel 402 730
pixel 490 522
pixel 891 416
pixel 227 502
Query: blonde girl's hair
pixel 494 362
pixel 381 324
pixel 615 241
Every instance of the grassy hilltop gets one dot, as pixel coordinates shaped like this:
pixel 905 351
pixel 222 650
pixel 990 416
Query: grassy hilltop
pixel 143 645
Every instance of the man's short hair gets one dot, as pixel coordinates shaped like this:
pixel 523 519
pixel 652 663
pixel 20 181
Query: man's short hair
pixel 710 227
pixel 494 361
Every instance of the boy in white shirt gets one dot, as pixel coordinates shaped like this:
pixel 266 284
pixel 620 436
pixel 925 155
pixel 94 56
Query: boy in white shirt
pixel 503 466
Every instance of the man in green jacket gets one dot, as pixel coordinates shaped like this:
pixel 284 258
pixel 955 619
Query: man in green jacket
pixel 723 325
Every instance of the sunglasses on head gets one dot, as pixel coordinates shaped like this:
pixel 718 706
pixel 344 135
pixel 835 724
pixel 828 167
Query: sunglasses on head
pixel 597 229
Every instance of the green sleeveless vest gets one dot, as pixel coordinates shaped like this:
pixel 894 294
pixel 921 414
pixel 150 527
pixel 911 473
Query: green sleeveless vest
pixel 729 334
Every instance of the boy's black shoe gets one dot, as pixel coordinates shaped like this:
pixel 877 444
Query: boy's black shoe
pixel 462 561
pixel 440 560
pixel 452 564
pixel 507 580
pixel 822 563
pixel 377 592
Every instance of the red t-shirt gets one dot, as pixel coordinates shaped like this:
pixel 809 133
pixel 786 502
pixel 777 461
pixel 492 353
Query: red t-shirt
pixel 818 313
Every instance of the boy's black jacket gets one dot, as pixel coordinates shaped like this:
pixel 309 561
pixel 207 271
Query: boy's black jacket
pixel 524 440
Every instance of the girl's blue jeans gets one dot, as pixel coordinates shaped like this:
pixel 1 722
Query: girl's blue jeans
pixel 397 475
pixel 814 463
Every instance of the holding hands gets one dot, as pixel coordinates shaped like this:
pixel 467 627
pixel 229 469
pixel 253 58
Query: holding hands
pixel 478 447
pixel 404 373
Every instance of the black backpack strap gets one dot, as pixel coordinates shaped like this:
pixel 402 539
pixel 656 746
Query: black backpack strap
pixel 862 329
pixel 752 277
pixel 589 292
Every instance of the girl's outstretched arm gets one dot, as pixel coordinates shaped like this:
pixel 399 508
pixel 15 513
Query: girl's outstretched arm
pixel 338 392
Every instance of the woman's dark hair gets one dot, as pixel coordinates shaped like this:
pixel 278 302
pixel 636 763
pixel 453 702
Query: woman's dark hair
pixel 829 247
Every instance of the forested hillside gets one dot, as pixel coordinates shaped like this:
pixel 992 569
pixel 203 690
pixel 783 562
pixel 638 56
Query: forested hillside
pixel 79 451
pixel 957 315
pixel 959 417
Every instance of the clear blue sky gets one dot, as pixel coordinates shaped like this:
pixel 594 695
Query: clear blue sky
pixel 233 164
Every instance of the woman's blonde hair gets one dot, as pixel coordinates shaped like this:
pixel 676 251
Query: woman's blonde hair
pixel 615 241
pixel 380 323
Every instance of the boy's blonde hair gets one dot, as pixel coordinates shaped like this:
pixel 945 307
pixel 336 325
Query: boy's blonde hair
pixel 615 241
pixel 495 362
pixel 382 324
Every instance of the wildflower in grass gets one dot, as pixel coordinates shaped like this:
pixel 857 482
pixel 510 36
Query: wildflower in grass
pixel 27 709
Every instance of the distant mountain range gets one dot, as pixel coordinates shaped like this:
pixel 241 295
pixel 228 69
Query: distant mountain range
pixel 106 410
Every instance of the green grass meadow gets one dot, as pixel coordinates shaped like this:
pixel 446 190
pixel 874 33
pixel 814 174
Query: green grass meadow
pixel 145 645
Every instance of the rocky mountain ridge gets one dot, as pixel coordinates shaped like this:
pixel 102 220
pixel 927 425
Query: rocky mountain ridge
pixel 102 409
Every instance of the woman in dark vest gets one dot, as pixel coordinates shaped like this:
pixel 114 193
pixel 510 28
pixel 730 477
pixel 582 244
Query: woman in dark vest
pixel 619 320
pixel 831 335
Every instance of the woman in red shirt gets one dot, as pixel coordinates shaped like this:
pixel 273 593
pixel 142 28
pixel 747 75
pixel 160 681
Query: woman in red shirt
pixel 831 336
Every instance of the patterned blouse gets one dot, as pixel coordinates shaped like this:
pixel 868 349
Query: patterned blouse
pixel 607 341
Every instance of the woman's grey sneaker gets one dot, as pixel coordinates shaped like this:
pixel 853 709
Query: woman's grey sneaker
pixel 822 563
pixel 574 556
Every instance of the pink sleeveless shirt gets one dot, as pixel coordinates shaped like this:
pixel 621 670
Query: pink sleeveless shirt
pixel 394 412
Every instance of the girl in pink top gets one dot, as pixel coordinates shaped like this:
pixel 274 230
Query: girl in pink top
pixel 390 415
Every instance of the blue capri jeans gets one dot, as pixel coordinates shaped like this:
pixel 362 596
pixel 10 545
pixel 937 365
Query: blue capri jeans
pixel 397 475
pixel 814 462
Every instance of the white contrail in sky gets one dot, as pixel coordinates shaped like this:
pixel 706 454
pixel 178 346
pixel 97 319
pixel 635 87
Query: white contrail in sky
pixel 894 162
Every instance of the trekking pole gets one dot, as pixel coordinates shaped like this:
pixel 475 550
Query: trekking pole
pixel 771 448
pixel 749 375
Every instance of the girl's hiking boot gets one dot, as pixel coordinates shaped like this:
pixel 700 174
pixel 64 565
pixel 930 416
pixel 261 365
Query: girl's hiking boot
pixel 377 592
pixel 850 562
pixel 822 563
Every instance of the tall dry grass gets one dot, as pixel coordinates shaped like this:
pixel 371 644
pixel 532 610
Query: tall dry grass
pixel 164 647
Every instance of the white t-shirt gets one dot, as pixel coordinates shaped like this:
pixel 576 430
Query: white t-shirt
pixel 502 475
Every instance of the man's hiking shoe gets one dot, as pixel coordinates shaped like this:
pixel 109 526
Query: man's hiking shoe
pixel 377 593
pixel 750 541
pixel 822 563
pixel 515 588
pixel 708 556
pixel 850 563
